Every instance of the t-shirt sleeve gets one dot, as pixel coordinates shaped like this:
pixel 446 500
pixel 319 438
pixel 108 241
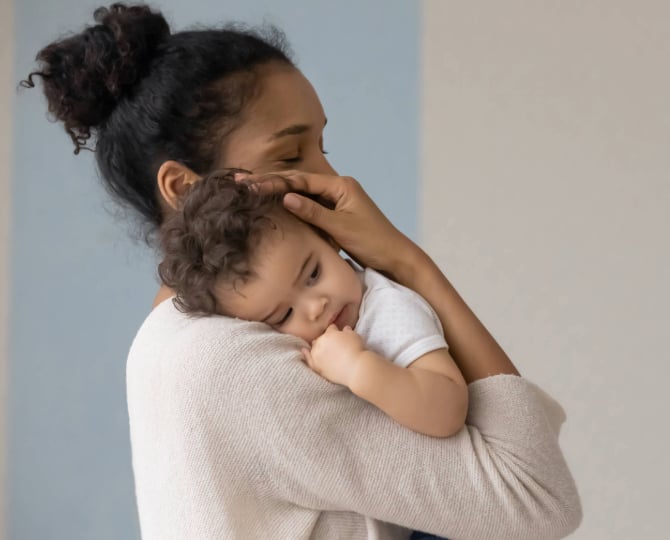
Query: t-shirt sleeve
pixel 400 325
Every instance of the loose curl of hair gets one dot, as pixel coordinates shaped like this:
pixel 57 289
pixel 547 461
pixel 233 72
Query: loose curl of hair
pixel 212 239
pixel 145 95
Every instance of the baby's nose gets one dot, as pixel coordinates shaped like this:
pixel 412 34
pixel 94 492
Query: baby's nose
pixel 316 307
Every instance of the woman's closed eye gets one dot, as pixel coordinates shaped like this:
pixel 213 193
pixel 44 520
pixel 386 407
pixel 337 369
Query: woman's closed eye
pixel 298 158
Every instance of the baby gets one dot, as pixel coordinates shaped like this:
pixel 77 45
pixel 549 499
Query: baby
pixel 233 251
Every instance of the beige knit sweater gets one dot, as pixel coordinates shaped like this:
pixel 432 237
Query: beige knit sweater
pixel 233 437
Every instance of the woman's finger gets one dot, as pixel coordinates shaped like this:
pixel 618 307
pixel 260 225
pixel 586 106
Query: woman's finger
pixel 344 211
pixel 271 176
pixel 330 187
pixel 309 210
pixel 267 184
pixel 330 190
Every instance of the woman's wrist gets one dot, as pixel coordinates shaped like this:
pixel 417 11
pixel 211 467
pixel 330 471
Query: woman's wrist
pixel 474 349
pixel 408 264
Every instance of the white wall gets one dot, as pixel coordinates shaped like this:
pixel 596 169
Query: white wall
pixel 6 88
pixel 546 196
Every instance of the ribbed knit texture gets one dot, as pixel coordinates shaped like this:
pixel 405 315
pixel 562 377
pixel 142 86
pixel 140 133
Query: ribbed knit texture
pixel 233 437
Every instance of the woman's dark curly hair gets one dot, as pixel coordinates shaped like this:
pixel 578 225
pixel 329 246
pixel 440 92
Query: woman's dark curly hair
pixel 146 95
pixel 212 239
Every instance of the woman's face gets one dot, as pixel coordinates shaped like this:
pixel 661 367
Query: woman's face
pixel 281 128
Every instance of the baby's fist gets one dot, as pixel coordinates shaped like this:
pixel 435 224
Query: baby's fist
pixel 334 354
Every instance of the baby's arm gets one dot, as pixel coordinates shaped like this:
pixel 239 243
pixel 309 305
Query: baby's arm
pixel 430 396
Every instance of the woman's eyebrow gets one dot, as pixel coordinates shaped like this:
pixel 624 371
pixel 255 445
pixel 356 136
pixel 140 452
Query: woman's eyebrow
pixel 295 129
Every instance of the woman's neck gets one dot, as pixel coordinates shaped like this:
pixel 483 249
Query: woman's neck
pixel 163 294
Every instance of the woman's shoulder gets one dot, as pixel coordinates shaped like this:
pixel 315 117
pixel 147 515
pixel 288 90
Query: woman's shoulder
pixel 170 341
pixel 165 319
pixel 165 326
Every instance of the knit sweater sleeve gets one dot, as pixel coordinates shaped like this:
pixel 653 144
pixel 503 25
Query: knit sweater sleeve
pixel 502 477
pixel 234 408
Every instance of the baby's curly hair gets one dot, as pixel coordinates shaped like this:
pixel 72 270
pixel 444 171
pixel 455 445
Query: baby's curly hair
pixel 213 237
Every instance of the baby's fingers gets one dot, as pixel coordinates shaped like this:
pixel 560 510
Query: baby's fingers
pixel 309 359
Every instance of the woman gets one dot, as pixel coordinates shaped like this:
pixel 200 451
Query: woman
pixel 232 435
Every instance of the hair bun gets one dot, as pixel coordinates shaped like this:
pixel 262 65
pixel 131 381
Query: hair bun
pixel 85 75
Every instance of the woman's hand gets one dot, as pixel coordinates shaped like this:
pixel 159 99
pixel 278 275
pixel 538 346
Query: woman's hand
pixel 353 221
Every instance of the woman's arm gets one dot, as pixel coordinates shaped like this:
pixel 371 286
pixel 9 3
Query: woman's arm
pixel 474 349
pixel 385 248
pixel 501 477
pixel 223 413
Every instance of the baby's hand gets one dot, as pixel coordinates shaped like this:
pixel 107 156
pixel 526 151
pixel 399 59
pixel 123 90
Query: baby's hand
pixel 334 354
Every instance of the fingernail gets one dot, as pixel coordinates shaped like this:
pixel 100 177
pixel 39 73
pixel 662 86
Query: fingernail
pixel 292 201
pixel 239 176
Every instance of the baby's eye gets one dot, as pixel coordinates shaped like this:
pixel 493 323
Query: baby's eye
pixel 296 159
pixel 314 275
pixel 285 317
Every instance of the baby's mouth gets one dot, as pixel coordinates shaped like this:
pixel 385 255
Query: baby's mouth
pixel 339 318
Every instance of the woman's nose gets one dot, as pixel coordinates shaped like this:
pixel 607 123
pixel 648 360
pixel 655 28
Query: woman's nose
pixel 328 168
pixel 320 165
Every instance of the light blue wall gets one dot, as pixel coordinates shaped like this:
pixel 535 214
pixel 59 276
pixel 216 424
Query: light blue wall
pixel 80 287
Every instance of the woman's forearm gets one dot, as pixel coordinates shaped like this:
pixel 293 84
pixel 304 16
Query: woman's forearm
pixel 474 349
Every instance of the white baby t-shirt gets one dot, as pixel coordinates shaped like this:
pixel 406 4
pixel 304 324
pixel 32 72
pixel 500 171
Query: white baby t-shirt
pixel 395 322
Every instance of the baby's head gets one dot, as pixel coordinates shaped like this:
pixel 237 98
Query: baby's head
pixel 234 251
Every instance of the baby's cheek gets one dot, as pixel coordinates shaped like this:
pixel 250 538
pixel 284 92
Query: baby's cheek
pixel 301 332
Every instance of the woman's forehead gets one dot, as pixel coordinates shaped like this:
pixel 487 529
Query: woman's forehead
pixel 284 109
pixel 284 102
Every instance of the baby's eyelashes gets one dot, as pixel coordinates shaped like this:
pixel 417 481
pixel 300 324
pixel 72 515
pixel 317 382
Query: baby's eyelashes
pixel 315 274
pixel 285 317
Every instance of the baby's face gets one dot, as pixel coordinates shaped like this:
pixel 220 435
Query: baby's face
pixel 301 284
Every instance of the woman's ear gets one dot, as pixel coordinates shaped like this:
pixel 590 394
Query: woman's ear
pixel 173 180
